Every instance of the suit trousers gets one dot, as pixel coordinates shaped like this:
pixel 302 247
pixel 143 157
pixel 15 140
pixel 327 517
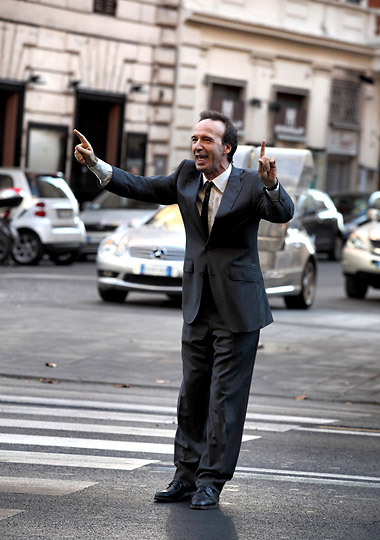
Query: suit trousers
pixel 212 404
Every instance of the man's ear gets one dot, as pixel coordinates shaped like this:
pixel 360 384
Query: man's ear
pixel 227 148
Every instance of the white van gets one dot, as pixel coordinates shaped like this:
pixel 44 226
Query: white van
pixel 295 165
pixel 287 253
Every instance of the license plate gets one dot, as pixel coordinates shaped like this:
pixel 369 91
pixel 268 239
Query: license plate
pixel 88 239
pixel 152 270
pixel 377 264
pixel 64 212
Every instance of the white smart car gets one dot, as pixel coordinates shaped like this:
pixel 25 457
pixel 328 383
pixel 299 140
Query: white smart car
pixel 48 219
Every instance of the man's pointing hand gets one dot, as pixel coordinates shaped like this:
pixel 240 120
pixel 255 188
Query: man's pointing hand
pixel 267 168
pixel 83 152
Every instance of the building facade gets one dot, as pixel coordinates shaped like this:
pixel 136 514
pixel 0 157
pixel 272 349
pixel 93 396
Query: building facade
pixel 134 74
pixel 298 73
pixel 106 67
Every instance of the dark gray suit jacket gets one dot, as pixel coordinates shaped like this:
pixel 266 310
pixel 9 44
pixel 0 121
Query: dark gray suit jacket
pixel 230 253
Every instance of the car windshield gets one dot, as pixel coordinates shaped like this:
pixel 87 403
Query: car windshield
pixel 351 205
pixel 290 167
pixel 168 218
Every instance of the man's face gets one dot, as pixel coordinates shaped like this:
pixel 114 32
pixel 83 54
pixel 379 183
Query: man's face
pixel 210 154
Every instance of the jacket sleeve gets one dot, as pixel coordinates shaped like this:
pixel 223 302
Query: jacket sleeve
pixel 156 189
pixel 277 212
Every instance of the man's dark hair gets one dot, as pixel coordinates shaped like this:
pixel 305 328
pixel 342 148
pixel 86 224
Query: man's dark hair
pixel 230 134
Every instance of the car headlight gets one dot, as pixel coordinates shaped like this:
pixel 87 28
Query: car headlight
pixel 107 246
pixel 122 246
pixel 356 242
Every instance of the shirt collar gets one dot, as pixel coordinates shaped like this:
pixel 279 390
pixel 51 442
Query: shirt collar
pixel 221 180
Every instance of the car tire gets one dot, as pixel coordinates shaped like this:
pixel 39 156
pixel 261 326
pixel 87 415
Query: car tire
pixel 27 249
pixel 63 259
pixel 112 295
pixel 356 288
pixel 305 299
pixel 336 250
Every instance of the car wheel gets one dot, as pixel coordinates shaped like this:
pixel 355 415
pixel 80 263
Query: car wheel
pixel 336 251
pixel 112 295
pixel 27 249
pixel 5 247
pixel 62 259
pixel 306 298
pixel 355 288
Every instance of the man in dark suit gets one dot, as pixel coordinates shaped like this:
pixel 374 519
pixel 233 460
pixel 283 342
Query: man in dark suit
pixel 224 299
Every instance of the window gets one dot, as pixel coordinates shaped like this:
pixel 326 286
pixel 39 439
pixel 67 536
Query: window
pixel 107 7
pixel 46 148
pixel 135 153
pixel 344 108
pixel 289 116
pixel 48 187
pixel 5 181
pixel 228 99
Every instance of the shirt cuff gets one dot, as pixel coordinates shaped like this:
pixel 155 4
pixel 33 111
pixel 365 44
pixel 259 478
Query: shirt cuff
pixel 274 194
pixel 103 171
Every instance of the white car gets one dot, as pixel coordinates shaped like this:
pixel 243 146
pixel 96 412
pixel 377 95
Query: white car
pixel 361 253
pixel 48 219
pixel 150 258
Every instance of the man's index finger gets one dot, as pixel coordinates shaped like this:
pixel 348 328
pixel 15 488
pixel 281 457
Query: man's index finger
pixel 262 150
pixel 81 136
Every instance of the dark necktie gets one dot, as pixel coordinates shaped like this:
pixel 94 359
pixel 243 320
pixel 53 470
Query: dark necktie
pixel 204 212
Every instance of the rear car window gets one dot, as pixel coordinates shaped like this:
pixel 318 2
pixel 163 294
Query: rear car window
pixel 48 187
pixel 5 181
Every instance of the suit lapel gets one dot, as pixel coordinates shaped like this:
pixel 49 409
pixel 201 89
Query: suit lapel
pixel 232 190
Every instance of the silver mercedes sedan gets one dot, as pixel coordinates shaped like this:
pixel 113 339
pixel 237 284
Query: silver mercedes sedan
pixel 150 258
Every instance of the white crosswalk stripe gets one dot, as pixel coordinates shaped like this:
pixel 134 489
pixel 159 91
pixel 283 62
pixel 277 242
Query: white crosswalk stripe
pixel 40 431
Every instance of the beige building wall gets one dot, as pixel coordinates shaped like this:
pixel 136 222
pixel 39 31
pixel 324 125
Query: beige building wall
pixel 69 48
pixel 293 46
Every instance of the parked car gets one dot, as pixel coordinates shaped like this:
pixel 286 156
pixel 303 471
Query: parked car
pixel 361 254
pixel 48 219
pixel 353 207
pixel 351 204
pixel 317 213
pixel 150 258
pixel 314 209
pixel 106 212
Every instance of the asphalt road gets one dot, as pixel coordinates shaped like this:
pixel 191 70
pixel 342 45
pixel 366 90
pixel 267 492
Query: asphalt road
pixel 86 442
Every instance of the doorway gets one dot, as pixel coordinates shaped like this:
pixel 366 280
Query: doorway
pixel 100 118
pixel 11 111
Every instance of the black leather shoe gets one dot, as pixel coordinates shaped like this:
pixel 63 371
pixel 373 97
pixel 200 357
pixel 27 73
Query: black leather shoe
pixel 205 498
pixel 176 491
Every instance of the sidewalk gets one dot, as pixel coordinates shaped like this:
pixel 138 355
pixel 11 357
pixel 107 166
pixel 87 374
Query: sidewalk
pixel 325 365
